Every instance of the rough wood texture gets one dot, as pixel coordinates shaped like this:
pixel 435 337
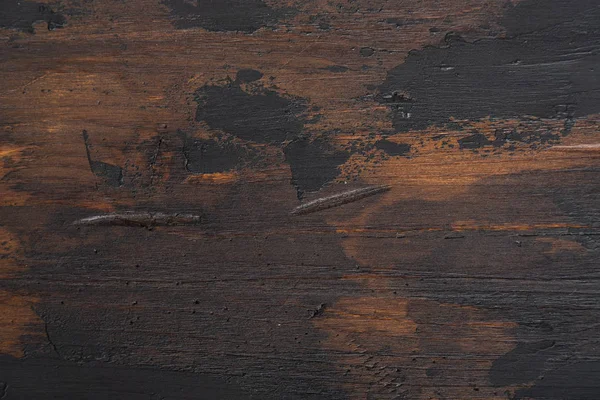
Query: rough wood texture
pixel 203 124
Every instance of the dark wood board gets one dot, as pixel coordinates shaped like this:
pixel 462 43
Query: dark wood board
pixel 198 126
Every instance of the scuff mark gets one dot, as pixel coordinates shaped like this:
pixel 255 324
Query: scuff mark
pixel 338 199
pixel 318 311
pixel 141 219
pixel 578 147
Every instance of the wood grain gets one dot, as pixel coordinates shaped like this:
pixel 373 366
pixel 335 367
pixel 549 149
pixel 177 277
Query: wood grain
pixel 194 129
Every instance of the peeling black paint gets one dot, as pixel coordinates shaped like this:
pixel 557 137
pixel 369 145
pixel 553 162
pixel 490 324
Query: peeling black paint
pixel 263 117
pixel 208 156
pixel 313 164
pixel 112 174
pixel 392 148
pixel 522 364
pixel 226 15
pixel 547 73
pixel 22 15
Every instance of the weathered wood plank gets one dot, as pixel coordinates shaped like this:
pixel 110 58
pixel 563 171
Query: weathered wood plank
pixel 198 132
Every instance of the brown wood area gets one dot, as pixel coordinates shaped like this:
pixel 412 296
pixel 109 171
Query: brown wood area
pixel 285 199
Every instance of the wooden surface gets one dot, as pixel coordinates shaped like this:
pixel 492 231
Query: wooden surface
pixel 475 276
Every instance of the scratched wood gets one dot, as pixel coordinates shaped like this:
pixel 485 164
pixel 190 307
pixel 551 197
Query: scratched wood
pixel 279 199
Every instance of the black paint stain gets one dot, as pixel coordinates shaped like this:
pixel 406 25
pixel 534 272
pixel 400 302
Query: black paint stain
pixel 248 75
pixel 527 135
pixel 393 149
pixel 532 16
pixel 263 117
pixel 112 174
pixel 503 137
pixel 324 26
pixel 474 141
pixel 17 14
pixel 522 364
pixel 207 156
pixel 402 22
pixel 312 163
pixel 579 381
pixel 547 73
pixel 366 51
pixel 398 22
pixel 226 15
pixel 43 378
pixel 336 68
